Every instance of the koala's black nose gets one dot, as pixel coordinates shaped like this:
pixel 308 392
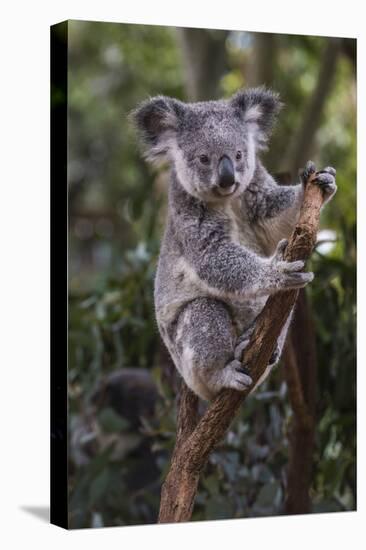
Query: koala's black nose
pixel 226 172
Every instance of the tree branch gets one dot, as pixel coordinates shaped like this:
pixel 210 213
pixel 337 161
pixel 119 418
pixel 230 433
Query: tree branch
pixel 191 454
pixel 296 394
pixel 187 415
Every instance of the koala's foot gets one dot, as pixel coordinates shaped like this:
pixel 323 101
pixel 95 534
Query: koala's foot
pixel 242 342
pixel 324 178
pixel 275 357
pixel 236 376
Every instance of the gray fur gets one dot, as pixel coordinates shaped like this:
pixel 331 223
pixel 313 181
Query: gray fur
pixel 222 251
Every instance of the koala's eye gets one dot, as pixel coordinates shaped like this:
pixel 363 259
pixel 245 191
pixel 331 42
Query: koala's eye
pixel 204 159
pixel 238 155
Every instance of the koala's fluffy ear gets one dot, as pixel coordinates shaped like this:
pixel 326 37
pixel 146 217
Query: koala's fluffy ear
pixel 157 121
pixel 258 107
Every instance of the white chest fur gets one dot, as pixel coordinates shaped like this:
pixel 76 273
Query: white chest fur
pixel 242 231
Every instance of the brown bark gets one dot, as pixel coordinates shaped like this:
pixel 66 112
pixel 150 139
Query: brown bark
pixel 187 415
pixel 300 373
pixel 294 384
pixel 190 455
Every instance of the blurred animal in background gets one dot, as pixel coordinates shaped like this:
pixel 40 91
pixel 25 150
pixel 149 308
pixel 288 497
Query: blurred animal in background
pixel 114 418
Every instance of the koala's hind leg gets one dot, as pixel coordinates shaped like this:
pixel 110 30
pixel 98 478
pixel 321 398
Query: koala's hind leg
pixel 243 341
pixel 203 341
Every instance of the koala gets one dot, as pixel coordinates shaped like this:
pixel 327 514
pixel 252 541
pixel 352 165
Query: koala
pixel 227 227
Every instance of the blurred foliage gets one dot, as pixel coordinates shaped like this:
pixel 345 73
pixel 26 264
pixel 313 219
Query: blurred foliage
pixel 116 211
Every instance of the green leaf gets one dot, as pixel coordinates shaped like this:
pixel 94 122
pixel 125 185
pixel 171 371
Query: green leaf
pixel 98 487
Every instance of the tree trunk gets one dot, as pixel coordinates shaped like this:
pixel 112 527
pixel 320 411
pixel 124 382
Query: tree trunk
pixel 262 65
pixel 204 57
pixel 300 372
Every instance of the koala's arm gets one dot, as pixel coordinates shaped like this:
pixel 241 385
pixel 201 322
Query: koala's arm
pixel 231 269
pixel 279 205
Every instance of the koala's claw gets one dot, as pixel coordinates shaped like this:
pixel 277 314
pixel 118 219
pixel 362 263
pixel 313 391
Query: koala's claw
pixel 288 274
pixel 280 264
pixel 280 250
pixel 244 370
pixel 238 352
pixel 326 180
pixel 275 356
pixel 330 169
pixel 242 342
pixel 290 267
pixel 237 376
pixel 307 171
pixel 298 279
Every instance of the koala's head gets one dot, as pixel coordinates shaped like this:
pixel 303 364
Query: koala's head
pixel 212 145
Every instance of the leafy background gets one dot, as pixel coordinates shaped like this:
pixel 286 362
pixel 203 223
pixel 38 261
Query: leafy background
pixel 122 386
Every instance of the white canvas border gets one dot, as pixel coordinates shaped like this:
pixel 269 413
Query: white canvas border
pixel 24 222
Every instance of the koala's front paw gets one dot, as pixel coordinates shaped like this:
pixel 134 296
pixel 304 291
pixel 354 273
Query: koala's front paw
pixel 326 181
pixel 289 275
pixel 236 376
pixel 308 171
pixel 324 178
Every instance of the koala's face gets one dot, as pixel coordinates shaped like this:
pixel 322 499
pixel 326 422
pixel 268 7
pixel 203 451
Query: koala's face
pixel 212 145
pixel 214 154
